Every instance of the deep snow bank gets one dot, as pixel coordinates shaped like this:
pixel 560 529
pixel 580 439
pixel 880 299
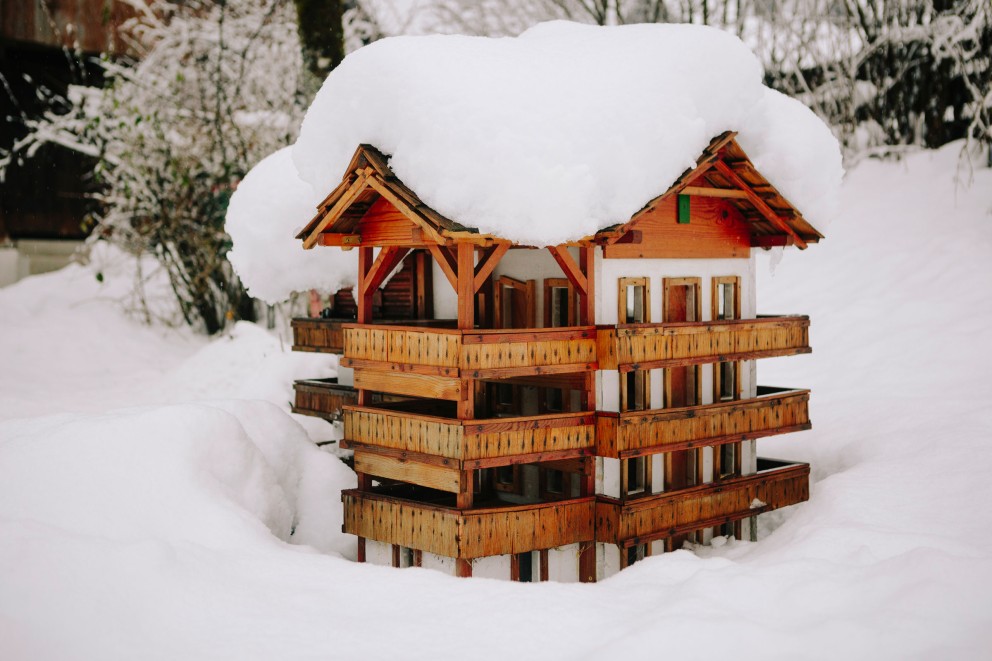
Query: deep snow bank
pixel 159 532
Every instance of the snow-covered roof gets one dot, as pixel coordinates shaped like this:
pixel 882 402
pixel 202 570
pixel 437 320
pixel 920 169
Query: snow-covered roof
pixel 565 130
pixel 540 139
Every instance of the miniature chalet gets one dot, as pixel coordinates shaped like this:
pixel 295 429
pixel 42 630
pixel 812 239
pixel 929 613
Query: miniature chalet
pixel 557 413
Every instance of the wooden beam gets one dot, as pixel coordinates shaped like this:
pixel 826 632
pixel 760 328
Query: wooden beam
pixel 446 262
pixel 703 191
pixel 466 286
pixel 572 270
pixel 771 241
pixel 341 240
pixel 463 568
pixel 490 258
pixel 343 203
pixel 466 489
pixel 387 260
pixel 587 299
pixel 759 203
pixel 363 298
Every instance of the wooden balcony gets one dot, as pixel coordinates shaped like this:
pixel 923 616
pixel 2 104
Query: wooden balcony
pixel 429 362
pixel 318 335
pixel 327 335
pixel 634 433
pixel 322 398
pixel 648 346
pixel 472 533
pixel 471 444
pixel 667 514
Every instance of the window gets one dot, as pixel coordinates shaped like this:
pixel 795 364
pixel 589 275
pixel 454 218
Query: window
pixel 726 305
pixel 522 567
pixel 635 553
pixel 559 303
pixel 635 476
pixel 634 301
pixel 681 304
pixel 725 460
pixel 554 481
pixel 406 557
pixel 634 307
pixel 507 479
pixel 513 303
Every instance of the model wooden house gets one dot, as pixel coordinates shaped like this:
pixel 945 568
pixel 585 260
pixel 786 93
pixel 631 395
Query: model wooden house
pixel 557 412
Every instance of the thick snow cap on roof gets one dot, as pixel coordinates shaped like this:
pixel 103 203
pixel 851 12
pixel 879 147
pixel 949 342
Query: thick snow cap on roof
pixel 564 130
pixel 270 204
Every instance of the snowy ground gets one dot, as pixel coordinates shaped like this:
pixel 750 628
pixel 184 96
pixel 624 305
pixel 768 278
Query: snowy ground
pixel 149 510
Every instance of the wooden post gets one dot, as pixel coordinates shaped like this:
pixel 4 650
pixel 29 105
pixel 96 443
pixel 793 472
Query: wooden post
pixel 466 489
pixel 463 568
pixel 466 286
pixel 587 299
pixel 364 484
pixel 587 550
pixel 425 285
pixel 363 297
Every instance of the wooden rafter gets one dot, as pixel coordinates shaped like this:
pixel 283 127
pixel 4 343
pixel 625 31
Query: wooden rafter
pixel 571 269
pixel 343 202
pixel 488 261
pixel 446 262
pixel 759 203
pixel 387 260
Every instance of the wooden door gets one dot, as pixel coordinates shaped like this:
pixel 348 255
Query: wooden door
pixel 514 303
pixel 681 303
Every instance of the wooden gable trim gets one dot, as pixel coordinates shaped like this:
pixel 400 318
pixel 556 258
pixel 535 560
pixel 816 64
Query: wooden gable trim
pixel 339 207
pixel 703 163
pixel 759 203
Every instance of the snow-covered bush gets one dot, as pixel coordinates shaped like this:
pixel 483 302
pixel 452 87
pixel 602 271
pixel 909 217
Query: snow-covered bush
pixel 214 87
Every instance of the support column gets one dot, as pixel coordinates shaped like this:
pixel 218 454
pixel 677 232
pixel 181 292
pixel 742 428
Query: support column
pixel 364 485
pixel 363 294
pixel 587 300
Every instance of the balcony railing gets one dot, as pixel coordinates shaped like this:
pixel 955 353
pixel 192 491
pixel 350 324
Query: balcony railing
pixel 472 533
pixel 322 398
pixel 667 514
pixel 633 433
pixel 327 335
pixel 470 354
pixel 648 346
pixel 473 443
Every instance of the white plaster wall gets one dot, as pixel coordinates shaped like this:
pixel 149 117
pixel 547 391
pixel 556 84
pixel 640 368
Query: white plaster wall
pixel 610 470
pixel 607 560
pixel 445 298
pixel 346 376
pixel 609 270
pixel 438 563
pixel 496 566
pixel 538 265
pixel 378 553
pixel 563 564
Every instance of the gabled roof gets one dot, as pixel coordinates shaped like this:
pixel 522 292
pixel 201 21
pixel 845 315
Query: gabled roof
pixel 369 177
pixel 723 170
